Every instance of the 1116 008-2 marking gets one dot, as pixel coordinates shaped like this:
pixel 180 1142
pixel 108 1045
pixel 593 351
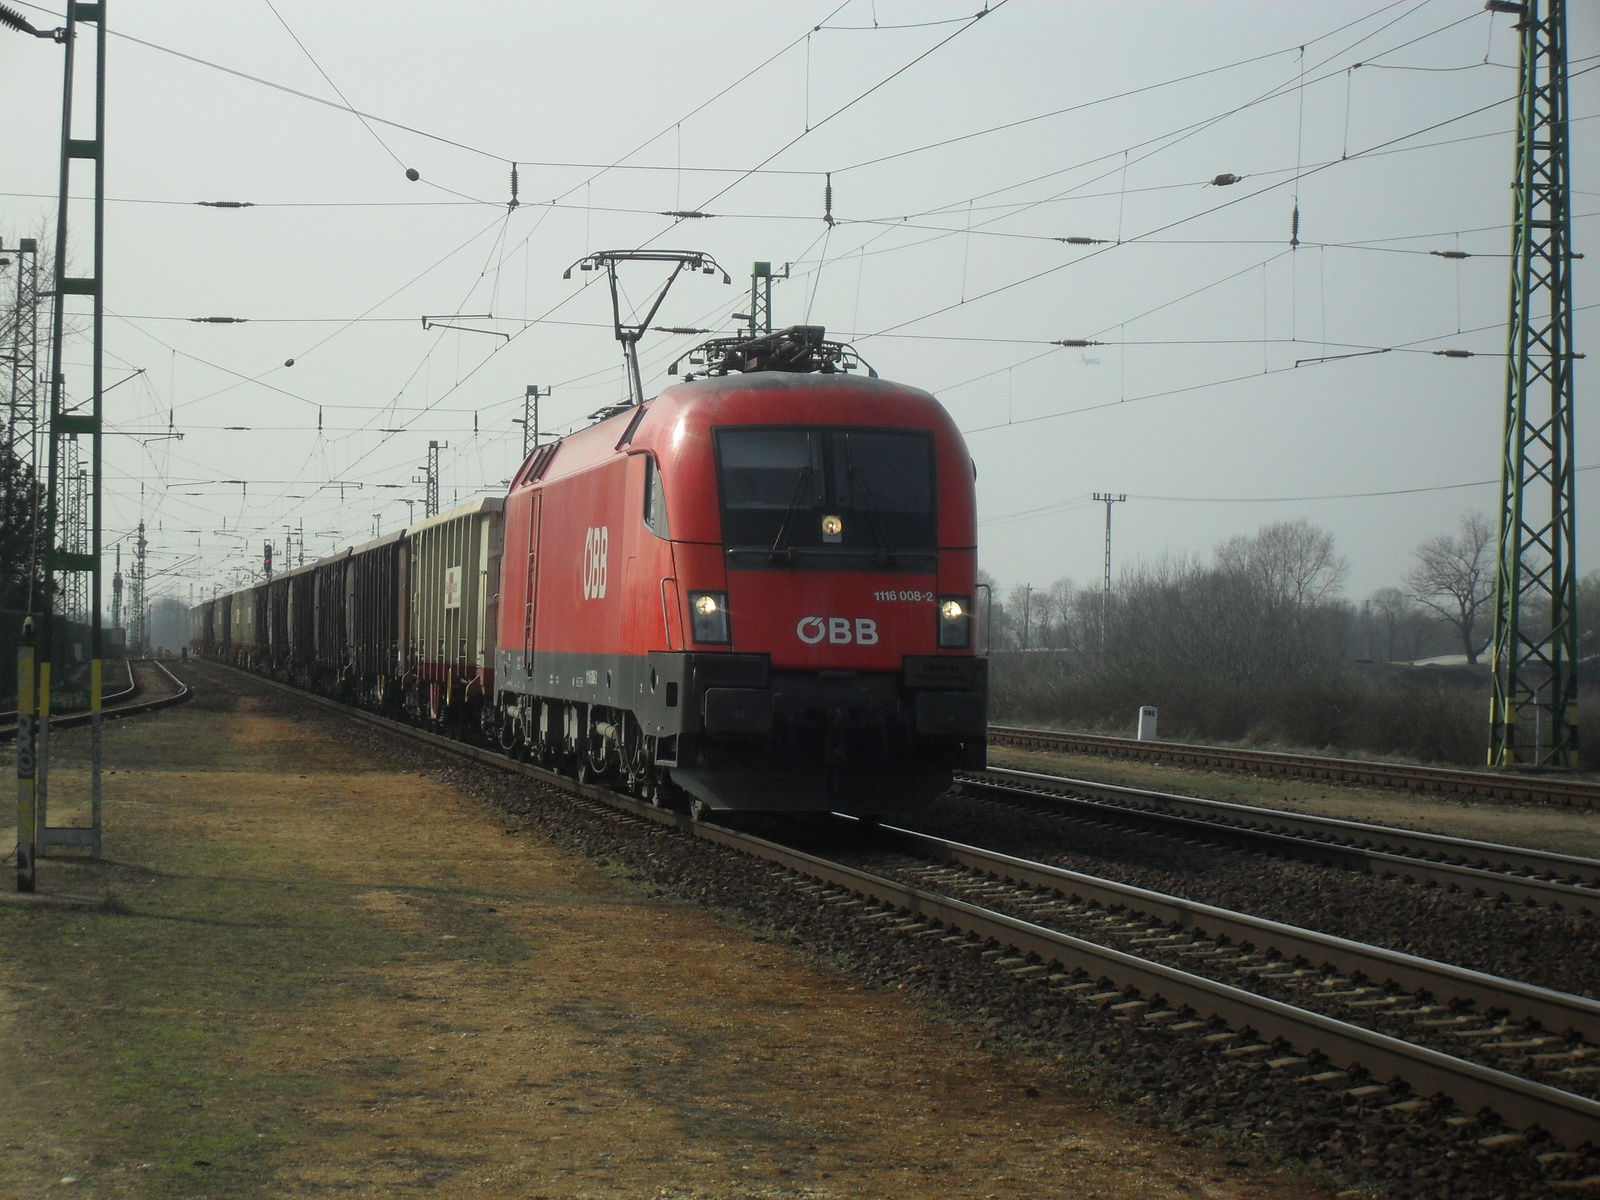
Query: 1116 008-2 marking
pixel 912 595
pixel 840 631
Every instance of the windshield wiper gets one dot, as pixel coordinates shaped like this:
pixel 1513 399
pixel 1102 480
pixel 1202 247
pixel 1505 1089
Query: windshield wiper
pixel 859 483
pixel 781 551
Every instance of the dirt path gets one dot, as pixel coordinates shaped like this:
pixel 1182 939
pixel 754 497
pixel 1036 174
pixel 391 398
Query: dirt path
pixel 306 972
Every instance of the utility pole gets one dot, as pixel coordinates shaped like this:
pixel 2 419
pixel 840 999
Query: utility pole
pixel 430 481
pixel 1027 613
pixel 74 599
pixel 530 418
pixel 61 557
pixel 1108 500
pixel 1533 718
pixel 136 626
pixel 761 278
pixel 22 424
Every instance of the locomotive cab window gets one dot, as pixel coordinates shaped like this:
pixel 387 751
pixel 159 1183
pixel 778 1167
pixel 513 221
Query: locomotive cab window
pixel 838 492
pixel 655 498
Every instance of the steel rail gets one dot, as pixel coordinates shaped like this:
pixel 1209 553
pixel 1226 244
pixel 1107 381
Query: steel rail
pixel 1557 1012
pixel 74 720
pixel 1221 821
pixel 1397 840
pixel 132 690
pixel 1522 1103
pixel 1537 789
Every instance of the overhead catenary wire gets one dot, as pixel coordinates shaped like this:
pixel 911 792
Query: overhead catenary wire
pixel 1042 273
pixel 1076 502
pixel 1212 383
pixel 828 256
pixel 367 125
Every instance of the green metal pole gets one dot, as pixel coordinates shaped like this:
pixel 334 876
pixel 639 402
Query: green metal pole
pixel 27 811
pixel 97 513
pixel 1533 714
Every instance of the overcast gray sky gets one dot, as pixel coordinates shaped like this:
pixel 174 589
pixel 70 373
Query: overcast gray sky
pixel 946 265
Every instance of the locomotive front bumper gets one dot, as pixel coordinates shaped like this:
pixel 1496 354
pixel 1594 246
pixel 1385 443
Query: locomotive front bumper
pixel 868 741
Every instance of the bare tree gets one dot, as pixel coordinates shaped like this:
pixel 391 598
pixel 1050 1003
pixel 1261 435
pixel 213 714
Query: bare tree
pixel 1454 579
pixel 1294 562
pixel 1589 615
pixel 1390 607
pixel 21 515
pixel 1063 636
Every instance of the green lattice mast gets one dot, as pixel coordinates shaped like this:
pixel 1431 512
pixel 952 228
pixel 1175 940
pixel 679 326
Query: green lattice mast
pixel 1533 720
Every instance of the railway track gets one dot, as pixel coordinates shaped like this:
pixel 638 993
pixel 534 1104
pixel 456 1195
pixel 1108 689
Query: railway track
pixel 1536 789
pixel 8 718
pixel 1531 1031
pixel 1133 981
pixel 128 707
pixel 1488 868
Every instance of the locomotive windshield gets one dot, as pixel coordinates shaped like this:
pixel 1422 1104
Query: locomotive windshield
pixel 787 490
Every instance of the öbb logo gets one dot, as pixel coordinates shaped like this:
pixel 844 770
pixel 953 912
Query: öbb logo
pixel 596 545
pixel 838 631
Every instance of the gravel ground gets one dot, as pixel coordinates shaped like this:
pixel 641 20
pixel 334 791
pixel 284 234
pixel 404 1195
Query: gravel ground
pixel 1543 946
pixel 1170 1081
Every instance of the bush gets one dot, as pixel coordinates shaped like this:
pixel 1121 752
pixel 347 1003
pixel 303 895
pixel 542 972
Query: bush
pixel 1420 713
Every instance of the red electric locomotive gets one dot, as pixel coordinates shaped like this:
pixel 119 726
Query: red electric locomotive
pixel 755 588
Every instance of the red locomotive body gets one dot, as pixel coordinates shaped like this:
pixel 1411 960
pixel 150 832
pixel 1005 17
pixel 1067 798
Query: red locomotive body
pixel 756 588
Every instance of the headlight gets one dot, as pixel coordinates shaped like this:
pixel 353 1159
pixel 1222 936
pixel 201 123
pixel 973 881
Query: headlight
pixel 832 528
pixel 955 622
pixel 708 618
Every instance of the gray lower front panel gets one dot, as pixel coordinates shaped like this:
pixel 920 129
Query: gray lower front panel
pixel 662 689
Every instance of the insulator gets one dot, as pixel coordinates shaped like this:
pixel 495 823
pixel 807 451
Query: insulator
pixel 1226 179
pixel 1294 227
pixel 513 203
pixel 827 199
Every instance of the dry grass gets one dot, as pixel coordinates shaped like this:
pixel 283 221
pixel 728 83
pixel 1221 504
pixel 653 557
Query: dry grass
pixel 304 972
